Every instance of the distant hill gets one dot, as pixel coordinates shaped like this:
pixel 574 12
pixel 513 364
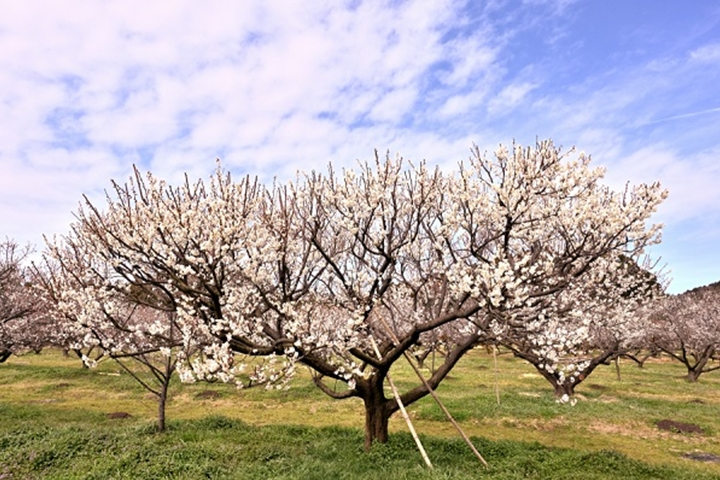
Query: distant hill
pixel 705 288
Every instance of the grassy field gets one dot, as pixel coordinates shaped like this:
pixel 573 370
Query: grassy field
pixel 54 423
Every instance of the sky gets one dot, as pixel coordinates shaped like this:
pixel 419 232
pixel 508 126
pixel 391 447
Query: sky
pixel 90 88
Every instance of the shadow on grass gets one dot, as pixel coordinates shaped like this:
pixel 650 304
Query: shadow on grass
pixel 219 447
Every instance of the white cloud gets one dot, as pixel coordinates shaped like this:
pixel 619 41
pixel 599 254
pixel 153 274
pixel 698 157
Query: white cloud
pixel 707 54
pixel 557 5
pixel 691 180
pixel 471 58
pixel 509 98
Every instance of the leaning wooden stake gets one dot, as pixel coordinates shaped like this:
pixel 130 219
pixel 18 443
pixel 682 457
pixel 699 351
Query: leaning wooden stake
pixel 404 412
pixel 497 385
pixel 435 397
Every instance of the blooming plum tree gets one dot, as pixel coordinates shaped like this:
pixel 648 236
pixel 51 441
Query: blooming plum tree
pixel 598 328
pixel 373 237
pixel 316 272
pixel 543 246
pixel 687 327
pixel 132 323
pixel 22 320
pixel 347 273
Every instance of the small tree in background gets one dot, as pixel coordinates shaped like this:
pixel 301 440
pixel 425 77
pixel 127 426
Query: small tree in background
pixel 133 324
pixel 599 327
pixel 687 327
pixel 23 323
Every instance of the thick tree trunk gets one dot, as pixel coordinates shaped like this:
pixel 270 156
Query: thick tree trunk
pixel 561 389
pixel 378 410
pixel 701 361
pixel 566 388
pixel 376 424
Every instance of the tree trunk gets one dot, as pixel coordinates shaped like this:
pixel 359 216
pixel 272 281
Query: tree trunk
pixel 162 401
pixel 420 357
pixel 693 374
pixel 565 388
pixel 701 361
pixel 376 424
pixel 562 389
pixel 378 410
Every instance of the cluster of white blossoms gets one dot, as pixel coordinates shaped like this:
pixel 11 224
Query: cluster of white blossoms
pixel 318 270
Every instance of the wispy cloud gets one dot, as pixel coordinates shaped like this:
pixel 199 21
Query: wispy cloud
pixel 685 115
pixel 707 54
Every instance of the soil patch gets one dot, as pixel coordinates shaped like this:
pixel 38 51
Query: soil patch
pixel 679 427
pixel 119 415
pixel 208 395
pixel 702 457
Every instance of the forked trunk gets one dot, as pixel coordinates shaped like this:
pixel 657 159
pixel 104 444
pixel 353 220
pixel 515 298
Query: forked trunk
pixel 701 361
pixel 693 375
pixel 561 389
pixel 565 388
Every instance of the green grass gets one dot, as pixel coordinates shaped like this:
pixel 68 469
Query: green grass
pixel 219 447
pixel 54 424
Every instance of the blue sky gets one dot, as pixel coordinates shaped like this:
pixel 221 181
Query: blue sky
pixel 87 89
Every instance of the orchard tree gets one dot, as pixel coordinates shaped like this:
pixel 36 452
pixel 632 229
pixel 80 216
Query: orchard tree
pixel 347 273
pixel 335 273
pixel 687 327
pixel 543 246
pixel 372 234
pixel 192 245
pixel 132 323
pixel 22 320
pixel 598 327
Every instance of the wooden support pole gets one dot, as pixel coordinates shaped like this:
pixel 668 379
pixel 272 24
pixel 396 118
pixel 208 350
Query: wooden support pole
pixel 497 384
pixel 435 397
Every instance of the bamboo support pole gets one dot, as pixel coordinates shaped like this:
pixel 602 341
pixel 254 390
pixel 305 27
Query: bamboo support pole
pixel 447 413
pixel 497 384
